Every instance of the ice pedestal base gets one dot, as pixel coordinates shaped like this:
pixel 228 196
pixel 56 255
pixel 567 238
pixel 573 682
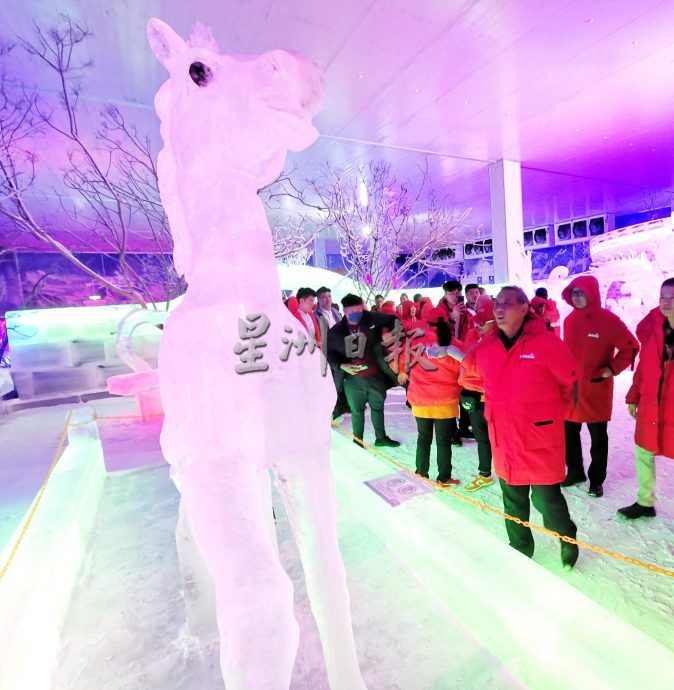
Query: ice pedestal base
pixel 548 634
pixel 36 590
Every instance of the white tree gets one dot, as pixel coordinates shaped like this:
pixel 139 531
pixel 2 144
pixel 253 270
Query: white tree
pixel 110 179
pixel 389 231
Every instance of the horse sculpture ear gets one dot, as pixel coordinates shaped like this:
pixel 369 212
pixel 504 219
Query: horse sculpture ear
pixel 164 41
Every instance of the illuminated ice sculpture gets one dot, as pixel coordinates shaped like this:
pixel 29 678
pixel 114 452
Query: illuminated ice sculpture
pixel 227 122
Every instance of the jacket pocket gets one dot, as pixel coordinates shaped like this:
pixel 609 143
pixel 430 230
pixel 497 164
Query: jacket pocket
pixel 543 428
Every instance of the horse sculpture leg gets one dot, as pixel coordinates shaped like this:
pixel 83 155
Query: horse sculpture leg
pixel 307 487
pixel 229 513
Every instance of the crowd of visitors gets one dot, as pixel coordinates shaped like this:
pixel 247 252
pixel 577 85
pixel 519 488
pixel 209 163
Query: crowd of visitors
pixel 497 370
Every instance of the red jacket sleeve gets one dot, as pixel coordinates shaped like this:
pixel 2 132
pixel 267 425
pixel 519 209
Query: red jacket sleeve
pixel 634 393
pixel 627 348
pixel 562 366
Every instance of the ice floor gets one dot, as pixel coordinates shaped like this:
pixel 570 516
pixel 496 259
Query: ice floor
pixel 125 628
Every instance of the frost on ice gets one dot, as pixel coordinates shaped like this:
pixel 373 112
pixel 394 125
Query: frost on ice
pixel 227 122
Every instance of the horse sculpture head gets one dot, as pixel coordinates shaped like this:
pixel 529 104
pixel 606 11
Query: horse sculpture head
pixel 234 112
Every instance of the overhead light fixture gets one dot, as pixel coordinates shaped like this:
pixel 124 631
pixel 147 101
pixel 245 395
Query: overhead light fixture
pixel 366 229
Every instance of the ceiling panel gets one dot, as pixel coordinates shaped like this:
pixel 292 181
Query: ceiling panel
pixel 580 92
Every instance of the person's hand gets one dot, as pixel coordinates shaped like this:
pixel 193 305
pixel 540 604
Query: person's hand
pixel 351 369
pixel 632 407
pixel 403 378
pixel 458 310
pixel 606 373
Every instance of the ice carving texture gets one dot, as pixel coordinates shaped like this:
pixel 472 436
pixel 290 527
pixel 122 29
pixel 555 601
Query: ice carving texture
pixel 227 122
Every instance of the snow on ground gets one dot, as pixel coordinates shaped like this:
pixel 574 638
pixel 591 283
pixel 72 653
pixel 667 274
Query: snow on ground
pixel 126 625
pixel 643 598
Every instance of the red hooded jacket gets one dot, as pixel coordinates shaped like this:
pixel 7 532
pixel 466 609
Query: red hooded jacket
pixel 410 322
pixel 597 339
pixel 434 394
pixel 655 421
pixel 553 316
pixel 528 390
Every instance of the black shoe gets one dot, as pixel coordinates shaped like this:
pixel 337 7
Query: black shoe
pixel 596 490
pixel 456 442
pixel 466 433
pixel 636 510
pixel 569 555
pixel 386 441
pixel 571 480
pixel 358 442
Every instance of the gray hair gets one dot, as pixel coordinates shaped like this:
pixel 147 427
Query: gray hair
pixel 521 295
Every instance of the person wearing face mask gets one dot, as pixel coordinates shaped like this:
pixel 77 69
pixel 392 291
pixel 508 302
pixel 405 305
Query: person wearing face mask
pixel 603 347
pixel 651 399
pixel 357 357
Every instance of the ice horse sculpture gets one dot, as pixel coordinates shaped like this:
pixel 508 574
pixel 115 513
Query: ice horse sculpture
pixel 227 122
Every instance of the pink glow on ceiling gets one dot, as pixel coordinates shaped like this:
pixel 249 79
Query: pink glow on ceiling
pixel 581 90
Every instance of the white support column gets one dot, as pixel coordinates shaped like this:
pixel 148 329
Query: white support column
pixel 511 263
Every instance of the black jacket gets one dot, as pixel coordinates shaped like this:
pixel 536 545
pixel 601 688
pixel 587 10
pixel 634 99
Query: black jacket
pixel 371 325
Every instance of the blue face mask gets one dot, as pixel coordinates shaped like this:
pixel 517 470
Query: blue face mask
pixel 354 317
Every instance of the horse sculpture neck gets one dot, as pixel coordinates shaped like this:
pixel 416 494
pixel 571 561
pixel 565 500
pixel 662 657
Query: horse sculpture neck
pixel 232 253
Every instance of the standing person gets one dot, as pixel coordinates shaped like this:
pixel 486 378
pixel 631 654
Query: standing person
pixel 378 302
pixel 472 395
pixel 603 347
pixel 357 356
pixel 306 302
pixel 539 305
pixel 454 311
pixel 434 397
pixel 651 399
pixel 551 313
pixel 529 377
pixel 326 307
pixel 328 311
pixel 472 292
pixel 403 298
pixel 389 307
pixel 409 316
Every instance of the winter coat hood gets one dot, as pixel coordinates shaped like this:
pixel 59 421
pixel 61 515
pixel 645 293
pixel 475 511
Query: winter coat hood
pixel 407 307
pixel 650 324
pixel 590 286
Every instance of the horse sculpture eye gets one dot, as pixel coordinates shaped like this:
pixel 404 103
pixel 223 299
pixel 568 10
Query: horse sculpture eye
pixel 200 73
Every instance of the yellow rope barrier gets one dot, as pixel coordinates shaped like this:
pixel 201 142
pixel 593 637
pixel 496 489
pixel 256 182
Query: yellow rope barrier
pixel 38 498
pixel 538 528
pixel 495 511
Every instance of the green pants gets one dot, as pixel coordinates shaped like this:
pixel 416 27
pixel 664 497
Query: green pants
pixel 361 391
pixel 645 476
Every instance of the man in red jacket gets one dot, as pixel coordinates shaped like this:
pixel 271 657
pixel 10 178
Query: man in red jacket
pixel 529 378
pixel 551 313
pixel 603 347
pixel 306 301
pixel 651 399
